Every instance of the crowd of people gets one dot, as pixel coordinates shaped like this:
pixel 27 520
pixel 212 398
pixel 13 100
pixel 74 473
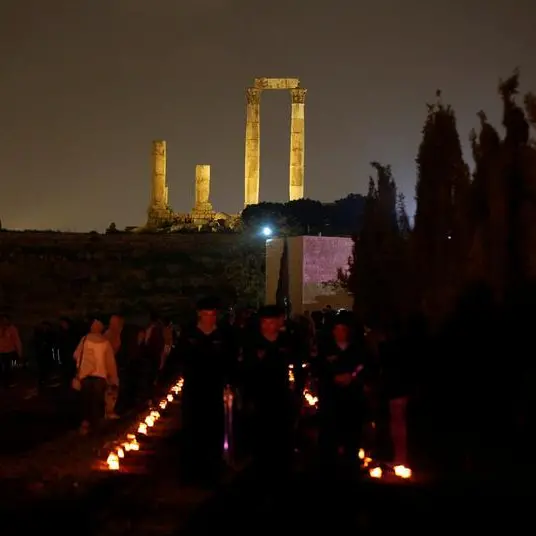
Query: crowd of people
pixel 376 389
pixel 113 365
pixel 267 360
pixel 263 357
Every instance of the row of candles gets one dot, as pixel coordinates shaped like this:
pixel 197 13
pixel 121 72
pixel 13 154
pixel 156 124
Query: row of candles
pixel 130 442
pixel 376 471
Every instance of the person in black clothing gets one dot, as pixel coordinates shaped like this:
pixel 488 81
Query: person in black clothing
pixel 267 356
pixel 44 351
pixel 396 377
pixel 341 368
pixel 206 366
pixel 240 331
pixel 67 341
pixel 135 375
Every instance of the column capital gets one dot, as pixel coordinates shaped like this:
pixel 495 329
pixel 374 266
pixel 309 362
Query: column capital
pixel 298 95
pixel 253 95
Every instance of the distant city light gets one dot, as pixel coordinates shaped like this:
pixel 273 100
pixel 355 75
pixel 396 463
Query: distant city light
pixel 267 231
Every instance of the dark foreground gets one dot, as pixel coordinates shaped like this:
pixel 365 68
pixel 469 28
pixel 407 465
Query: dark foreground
pixel 29 418
pixel 155 503
pixel 147 498
pixel 308 503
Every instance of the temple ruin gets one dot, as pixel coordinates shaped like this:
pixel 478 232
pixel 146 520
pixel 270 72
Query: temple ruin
pixel 252 164
pixel 160 214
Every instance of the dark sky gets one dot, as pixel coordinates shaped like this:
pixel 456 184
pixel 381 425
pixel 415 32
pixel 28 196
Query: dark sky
pixel 85 86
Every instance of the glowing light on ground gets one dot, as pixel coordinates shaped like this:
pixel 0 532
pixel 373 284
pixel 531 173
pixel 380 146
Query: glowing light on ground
pixel 402 471
pixel 113 461
pixel 311 399
pixel 376 472
pixel 130 443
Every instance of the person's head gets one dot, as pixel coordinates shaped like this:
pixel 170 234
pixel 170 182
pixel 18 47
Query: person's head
pixel 97 325
pixel 65 323
pixel 116 323
pixel 271 319
pixel 4 320
pixel 207 312
pixel 341 328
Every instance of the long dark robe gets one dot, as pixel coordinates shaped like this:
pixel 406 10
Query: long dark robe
pixel 205 364
pixel 268 387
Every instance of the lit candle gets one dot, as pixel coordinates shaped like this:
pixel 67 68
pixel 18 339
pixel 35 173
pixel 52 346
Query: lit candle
pixel 376 472
pixel 113 461
pixel 142 428
pixel 402 471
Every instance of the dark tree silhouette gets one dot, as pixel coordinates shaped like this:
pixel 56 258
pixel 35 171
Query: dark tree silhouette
pixel 377 266
pixel 307 216
pixel 438 240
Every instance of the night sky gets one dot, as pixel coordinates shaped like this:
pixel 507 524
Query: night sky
pixel 85 86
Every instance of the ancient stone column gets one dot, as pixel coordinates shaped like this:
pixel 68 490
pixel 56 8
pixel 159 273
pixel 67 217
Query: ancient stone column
pixel 159 191
pixel 202 188
pixel 297 144
pixel 253 148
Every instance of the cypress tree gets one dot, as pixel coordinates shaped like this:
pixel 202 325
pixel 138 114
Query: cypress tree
pixel 488 209
pixel 375 267
pixel 441 193
pixel 519 167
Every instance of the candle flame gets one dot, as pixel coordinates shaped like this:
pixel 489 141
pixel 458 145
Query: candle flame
pixel 402 471
pixel 142 428
pixel 376 472
pixel 113 461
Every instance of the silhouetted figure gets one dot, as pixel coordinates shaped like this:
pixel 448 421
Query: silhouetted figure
pixel 341 367
pixel 44 343
pixel 114 335
pixel 206 359
pixel 134 387
pixel 154 343
pixel 267 357
pixel 67 339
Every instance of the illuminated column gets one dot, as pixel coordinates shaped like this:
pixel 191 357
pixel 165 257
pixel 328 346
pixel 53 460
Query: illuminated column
pixel 297 144
pixel 202 188
pixel 159 190
pixel 253 148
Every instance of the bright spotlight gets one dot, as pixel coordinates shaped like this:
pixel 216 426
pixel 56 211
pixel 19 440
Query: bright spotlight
pixel 267 231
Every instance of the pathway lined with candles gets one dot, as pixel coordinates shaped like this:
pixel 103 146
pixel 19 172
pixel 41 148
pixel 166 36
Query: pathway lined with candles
pixel 139 490
pixel 141 493
pixel 130 444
